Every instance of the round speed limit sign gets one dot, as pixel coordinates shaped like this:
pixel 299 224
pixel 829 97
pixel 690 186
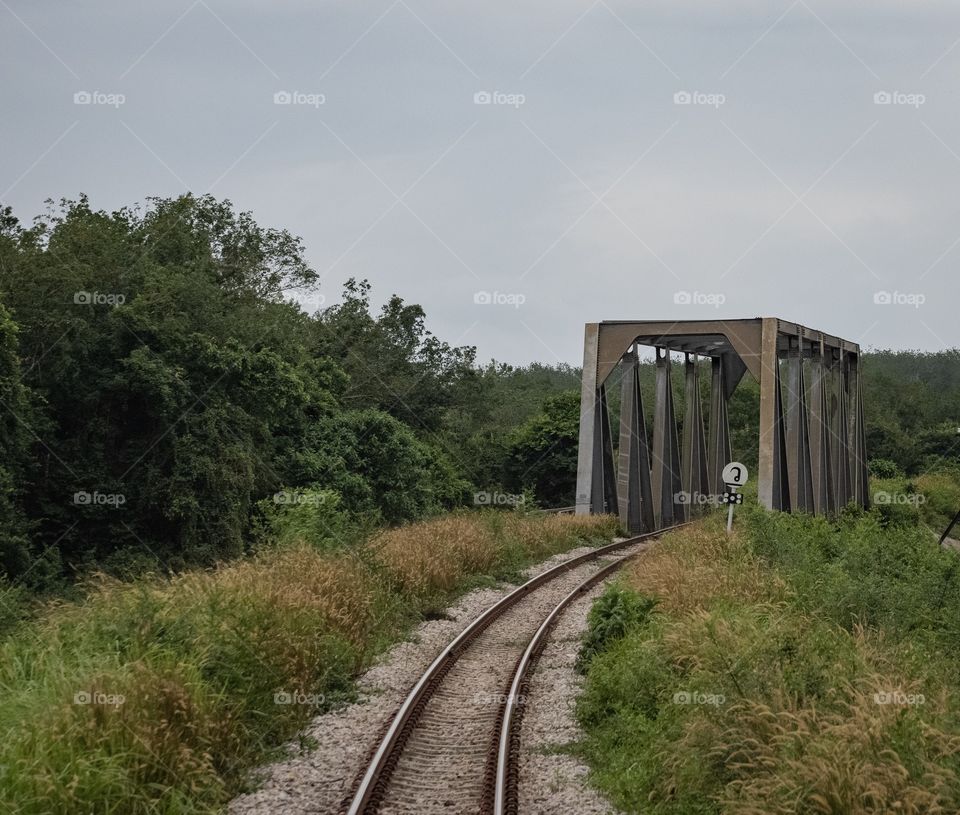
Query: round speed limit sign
pixel 734 474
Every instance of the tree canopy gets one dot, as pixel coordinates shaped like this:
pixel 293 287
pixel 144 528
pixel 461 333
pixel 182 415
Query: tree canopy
pixel 159 381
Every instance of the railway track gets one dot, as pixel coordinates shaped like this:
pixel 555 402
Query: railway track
pixel 453 745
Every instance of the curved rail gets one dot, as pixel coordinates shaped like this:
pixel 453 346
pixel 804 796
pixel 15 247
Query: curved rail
pixel 505 796
pixel 373 783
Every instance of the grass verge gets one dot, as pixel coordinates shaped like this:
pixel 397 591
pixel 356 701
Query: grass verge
pixel 801 665
pixel 156 696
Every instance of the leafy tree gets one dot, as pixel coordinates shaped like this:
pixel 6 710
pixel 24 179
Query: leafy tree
pixel 543 452
pixel 172 372
pixel 488 406
pixel 178 384
pixel 884 468
pixel 378 465
pixel 14 450
pixel 393 362
pixel 912 407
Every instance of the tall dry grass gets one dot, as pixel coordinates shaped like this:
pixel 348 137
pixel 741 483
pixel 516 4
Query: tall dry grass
pixel 434 557
pixel 197 662
pixel 541 537
pixel 696 566
pixel 201 659
pixel 850 760
pixel 814 717
pixel 337 591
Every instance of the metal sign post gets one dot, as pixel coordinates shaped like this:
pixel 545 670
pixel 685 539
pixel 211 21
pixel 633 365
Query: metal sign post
pixel 728 495
pixel 734 476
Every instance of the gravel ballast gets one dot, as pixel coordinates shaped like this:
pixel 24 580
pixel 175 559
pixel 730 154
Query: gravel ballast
pixel 552 781
pixel 316 779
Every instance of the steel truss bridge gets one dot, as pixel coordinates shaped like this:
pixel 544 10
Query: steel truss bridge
pixel 812 451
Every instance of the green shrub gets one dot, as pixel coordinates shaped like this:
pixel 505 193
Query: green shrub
pixel 615 612
pixel 941 491
pixel 16 604
pixel 858 571
pixel 899 513
pixel 884 468
pixel 311 516
pixel 378 466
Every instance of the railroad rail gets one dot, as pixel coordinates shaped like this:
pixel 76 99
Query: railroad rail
pixel 436 715
pixel 506 793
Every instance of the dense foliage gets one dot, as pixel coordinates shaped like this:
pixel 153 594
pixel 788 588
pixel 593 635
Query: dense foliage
pixel 159 381
pixel 912 403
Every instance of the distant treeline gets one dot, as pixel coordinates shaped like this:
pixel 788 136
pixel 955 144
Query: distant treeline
pixel 912 405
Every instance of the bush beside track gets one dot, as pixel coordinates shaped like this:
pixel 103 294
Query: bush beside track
pixel 802 665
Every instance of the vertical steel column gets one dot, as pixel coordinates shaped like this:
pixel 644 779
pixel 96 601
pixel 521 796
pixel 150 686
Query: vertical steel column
pixel 667 482
pixel 842 483
pixel 626 425
pixel 694 466
pixel 824 494
pixel 588 424
pixel 858 443
pixel 603 497
pixel 798 432
pixel 633 481
pixel 718 448
pixel 773 481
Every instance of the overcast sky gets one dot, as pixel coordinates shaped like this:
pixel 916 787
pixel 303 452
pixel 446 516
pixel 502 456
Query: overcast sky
pixel 522 168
